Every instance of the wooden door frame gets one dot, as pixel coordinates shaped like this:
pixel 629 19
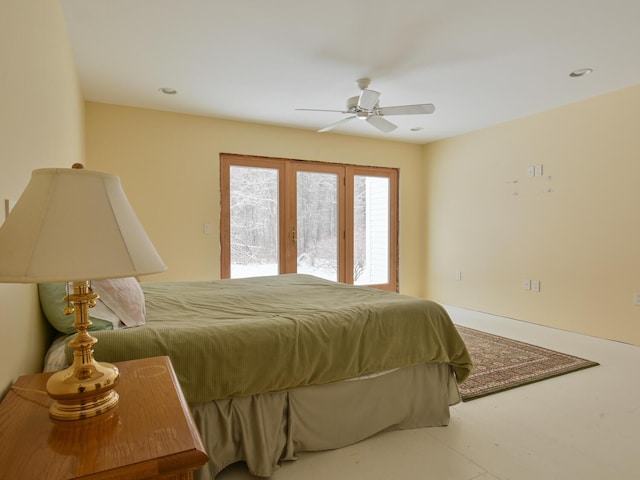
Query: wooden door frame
pixel 292 211
pixel 287 171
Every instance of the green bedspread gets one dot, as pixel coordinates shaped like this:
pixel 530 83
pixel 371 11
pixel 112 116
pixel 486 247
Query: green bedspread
pixel 245 336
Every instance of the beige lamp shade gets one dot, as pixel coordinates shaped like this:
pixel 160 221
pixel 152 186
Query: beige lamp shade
pixel 74 224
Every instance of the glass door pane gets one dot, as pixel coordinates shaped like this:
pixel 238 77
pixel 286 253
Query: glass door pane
pixel 371 230
pixel 317 224
pixel 254 214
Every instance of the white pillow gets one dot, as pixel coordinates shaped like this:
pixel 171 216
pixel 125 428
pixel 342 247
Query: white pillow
pixel 101 311
pixel 123 297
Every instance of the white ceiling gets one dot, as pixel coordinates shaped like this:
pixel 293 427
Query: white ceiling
pixel 481 62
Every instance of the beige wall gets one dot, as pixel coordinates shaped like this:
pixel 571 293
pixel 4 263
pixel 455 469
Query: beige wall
pixel 41 125
pixel 169 166
pixel 576 228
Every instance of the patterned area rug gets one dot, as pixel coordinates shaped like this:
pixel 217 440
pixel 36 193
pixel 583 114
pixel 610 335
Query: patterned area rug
pixel 500 363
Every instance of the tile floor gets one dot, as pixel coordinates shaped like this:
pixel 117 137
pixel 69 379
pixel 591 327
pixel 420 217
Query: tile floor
pixel 584 425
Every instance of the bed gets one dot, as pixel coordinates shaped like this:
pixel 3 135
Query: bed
pixel 273 366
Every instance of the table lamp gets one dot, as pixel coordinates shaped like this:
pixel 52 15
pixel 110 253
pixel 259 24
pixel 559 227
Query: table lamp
pixel 76 225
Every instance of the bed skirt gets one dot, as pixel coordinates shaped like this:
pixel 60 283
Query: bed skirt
pixel 266 429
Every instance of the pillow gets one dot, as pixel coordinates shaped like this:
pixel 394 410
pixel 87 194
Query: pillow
pixel 121 304
pixel 102 312
pixel 53 303
pixel 124 297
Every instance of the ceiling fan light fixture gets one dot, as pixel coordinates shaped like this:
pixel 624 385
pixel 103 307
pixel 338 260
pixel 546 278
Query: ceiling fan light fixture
pixel 366 107
pixel 581 72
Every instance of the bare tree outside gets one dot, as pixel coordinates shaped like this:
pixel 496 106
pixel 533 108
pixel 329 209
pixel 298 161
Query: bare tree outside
pixel 254 219
pixel 317 203
pixel 359 227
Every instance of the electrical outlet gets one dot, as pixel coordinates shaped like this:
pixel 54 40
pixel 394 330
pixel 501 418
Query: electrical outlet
pixel 531 171
pixel 458 275
pixel 535 285
pixel 527 284
pixel 538 170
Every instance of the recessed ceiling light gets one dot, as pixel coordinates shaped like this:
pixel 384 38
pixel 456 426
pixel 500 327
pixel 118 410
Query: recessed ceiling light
pixel 581 72
pixel 168 91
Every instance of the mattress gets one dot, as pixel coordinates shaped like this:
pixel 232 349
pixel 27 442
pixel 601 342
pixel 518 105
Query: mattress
pixel 276 333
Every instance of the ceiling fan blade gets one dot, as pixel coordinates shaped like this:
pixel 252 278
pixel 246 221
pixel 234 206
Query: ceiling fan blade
pixel 368 99
pixel 407 109
pixel 319 110
pixel 333 125
pixel 381 124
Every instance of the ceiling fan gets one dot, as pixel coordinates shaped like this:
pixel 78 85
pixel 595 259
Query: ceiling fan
pixel 366 107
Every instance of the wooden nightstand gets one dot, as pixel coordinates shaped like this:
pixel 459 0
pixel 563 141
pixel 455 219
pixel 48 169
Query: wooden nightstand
pixel 149 435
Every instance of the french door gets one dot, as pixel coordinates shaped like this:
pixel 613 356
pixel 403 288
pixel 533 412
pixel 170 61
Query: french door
pixel 333 221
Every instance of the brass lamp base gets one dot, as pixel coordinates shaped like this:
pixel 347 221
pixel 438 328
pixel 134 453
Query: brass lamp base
pixel 85 389
pixel 86 397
